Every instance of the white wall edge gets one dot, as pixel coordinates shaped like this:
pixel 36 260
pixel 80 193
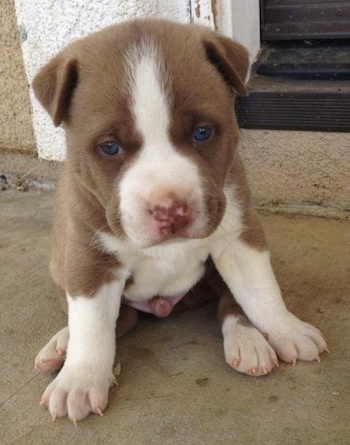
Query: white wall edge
pixel 240 20
pixel 202 13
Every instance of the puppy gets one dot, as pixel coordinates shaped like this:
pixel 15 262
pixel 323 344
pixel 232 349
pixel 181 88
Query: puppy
pixel 153 209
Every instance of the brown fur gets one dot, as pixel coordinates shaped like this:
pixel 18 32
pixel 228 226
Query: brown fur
pixel 79 89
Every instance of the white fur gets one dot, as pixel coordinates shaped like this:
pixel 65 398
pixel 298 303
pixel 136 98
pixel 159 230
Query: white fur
pixel 246 350
pixel 151 102
pixel 168 270
pixel 248 273
pixel 91 322
pixel 83 383
pixel 159 170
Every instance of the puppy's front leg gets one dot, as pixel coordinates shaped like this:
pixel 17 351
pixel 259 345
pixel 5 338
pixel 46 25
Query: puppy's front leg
pixel 248 273
pixel 83 384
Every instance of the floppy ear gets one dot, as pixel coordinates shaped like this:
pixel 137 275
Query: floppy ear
pixel 230 59
pixel 54 85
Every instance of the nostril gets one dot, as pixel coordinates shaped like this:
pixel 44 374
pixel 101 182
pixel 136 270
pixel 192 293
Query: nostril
pixel 173 212
pixel 179 210
pixel 160 213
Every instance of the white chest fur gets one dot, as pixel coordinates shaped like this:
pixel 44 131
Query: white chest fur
pixel 167 270
pixel 172 268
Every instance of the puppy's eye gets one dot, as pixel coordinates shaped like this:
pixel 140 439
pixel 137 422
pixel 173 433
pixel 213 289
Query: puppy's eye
pixel 110 148
pixel 201 134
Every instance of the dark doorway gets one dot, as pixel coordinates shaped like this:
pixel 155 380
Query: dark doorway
pixel 308 39
pixel 304 19
pixel 301 79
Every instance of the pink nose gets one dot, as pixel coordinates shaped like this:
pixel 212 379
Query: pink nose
pixel 171 216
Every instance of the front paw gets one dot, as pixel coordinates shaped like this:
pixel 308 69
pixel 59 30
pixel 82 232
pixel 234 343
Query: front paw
pixel 293 340
pixel 246 350
pixel 77 391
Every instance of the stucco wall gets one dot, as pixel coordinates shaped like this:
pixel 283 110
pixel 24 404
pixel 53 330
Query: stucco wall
pixel 16 130
pixel 297 165
pixel 49 25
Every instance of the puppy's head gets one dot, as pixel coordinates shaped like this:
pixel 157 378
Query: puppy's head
pixel 147 107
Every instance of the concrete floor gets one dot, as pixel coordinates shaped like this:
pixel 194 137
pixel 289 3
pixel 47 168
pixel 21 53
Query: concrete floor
pixel 175 387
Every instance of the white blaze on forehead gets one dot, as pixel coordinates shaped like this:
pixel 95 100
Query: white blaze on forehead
pixel 150 100
pixel 159 168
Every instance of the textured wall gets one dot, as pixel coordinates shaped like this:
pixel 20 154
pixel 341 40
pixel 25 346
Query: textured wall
pixel 16 130
pixel 297 165
pixel 49 25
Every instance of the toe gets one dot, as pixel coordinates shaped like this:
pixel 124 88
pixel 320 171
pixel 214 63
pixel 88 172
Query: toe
pixel 78 405
pixel 58 404
pixel 98 398
pixel 52 364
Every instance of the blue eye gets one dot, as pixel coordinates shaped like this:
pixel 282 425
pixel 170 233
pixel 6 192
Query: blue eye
pixel 201 134
pixel 110 148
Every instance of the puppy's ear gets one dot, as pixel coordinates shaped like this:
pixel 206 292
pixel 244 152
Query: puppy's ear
pixel 230 58
pixel 54 85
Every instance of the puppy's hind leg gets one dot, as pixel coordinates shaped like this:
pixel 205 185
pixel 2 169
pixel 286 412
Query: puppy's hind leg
pixel 246 349
pixel 51 357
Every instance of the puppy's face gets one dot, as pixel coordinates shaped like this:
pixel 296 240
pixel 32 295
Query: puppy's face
pixel 148 112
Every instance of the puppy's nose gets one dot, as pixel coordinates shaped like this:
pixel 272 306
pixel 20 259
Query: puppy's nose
pixel 171 215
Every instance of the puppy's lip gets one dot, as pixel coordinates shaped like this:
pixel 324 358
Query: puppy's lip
pixel 170 239
pixel 165 240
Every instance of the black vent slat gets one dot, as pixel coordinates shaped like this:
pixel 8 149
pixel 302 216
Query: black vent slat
pixel 295 111
pixel 305 19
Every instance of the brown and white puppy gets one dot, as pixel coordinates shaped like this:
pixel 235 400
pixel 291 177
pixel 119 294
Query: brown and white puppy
pixel 153 199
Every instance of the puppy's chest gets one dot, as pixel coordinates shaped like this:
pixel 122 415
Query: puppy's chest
pixel 168 273
pixel 166 270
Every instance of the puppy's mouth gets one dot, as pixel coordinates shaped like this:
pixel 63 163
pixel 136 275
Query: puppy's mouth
pixel 165 237
pixel 168 235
